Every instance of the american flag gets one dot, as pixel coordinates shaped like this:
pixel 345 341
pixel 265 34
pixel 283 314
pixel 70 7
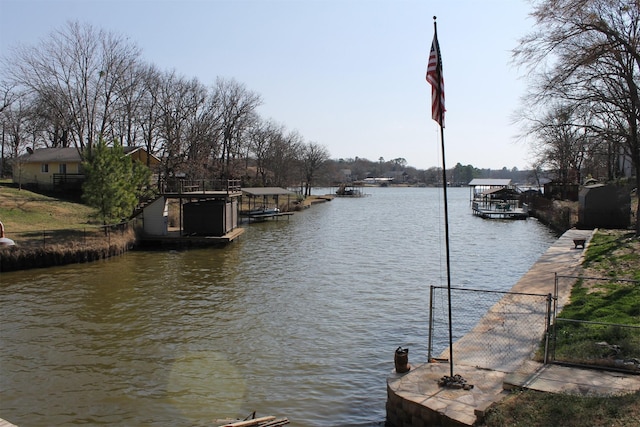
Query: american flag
pixel 435 78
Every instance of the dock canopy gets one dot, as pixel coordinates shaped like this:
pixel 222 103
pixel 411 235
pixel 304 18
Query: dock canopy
pixel 270 197
pixel 483 182
pixel 494 188
pixel 266 191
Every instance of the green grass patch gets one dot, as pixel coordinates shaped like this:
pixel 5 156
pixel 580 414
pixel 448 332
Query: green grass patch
pixel 23 211
pixel 610 302
pixel 602 345
pixel 614 255
pixel 610 255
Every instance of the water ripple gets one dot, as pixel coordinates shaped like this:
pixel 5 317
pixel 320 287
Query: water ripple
pixel 299 318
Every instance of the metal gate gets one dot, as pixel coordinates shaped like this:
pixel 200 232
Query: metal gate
pixel 491 329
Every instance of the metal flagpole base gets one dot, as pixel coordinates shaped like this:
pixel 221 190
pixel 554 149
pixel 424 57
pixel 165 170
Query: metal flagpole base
pixel 455 381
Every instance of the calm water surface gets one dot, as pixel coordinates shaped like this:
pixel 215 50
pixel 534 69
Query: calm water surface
pixel 300 318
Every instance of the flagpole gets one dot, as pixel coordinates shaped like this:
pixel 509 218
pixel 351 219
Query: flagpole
pixel 434 77
pixel 446 205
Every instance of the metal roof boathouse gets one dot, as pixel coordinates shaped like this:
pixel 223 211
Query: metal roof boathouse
pixel 265 202
pixel 496 199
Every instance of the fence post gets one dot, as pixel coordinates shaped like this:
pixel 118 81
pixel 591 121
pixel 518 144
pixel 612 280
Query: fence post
pixel 555 294
pixel 547 329
pixel 430 325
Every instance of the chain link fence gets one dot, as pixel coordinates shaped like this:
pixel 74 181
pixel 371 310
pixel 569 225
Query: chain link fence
pixel 508 327
pixel 47 248
pixel 596 344
pixel 78 237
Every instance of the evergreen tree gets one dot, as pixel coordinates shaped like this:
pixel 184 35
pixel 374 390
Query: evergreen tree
pixel 113 182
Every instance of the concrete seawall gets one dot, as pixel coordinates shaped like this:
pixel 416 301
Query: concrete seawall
pixel 415 399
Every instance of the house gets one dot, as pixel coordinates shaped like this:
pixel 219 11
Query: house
pixel 60 169
pixel 381 181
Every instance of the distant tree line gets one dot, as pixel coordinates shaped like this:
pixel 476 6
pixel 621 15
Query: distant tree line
pixel 357 169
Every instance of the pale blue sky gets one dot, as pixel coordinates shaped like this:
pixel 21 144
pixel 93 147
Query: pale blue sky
pixel 346 74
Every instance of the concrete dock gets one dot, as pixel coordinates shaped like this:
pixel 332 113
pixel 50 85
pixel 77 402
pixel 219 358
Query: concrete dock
pixel 415 399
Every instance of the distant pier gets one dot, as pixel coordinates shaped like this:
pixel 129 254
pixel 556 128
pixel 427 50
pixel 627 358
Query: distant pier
pixel 498 212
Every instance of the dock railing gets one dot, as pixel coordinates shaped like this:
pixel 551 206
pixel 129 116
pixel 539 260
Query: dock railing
pixel 185 186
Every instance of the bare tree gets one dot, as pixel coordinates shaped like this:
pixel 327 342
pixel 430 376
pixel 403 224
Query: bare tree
pixel 7 94
pixel 283 158
pixel 237 114
pixel 203 135
pixel 263 138
pixel 125 124
pixel 179 103
pixel 562 142
pixel 78 70
pixel 587 53
pixel 313 157
pixel 17 133
pixel 150 116
pixel 83 84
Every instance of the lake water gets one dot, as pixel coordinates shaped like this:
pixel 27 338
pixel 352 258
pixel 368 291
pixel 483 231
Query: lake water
pixel 299 318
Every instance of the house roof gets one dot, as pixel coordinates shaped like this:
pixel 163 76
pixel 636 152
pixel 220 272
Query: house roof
pixel 266 191
pixel 44 155
pixel 67 155
pixel 130 151
pixel 478 182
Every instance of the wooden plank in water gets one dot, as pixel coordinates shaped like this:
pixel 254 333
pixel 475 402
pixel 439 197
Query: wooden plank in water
pixel 249 423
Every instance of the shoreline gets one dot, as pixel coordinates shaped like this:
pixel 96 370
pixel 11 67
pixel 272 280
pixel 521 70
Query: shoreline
pixel 18 257
pixel 416 397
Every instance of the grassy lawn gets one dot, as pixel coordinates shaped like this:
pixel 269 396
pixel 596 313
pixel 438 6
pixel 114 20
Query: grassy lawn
pixel 48 231
pixel 536 409
pixel 612 255
pixel 25 211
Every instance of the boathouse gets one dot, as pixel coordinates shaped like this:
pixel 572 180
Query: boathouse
pixel 496 198
pixel 265 199
pixel 204 213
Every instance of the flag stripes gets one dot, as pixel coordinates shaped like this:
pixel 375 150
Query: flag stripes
pixel 435 78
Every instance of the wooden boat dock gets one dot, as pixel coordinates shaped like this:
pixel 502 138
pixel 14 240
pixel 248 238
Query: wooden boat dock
pixel 350 190
pixel 176 238
pixel 253 217
pixel 499 212
pixel 496 199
